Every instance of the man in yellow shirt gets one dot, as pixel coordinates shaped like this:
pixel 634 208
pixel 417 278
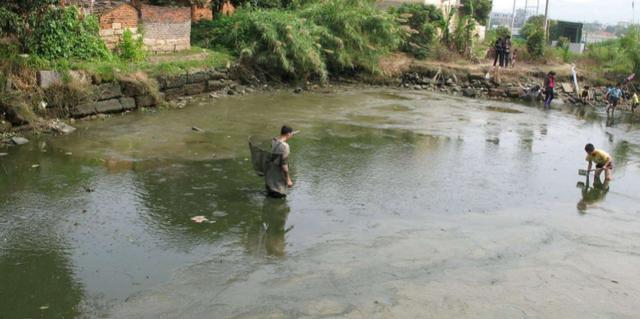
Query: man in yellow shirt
pixel 602 159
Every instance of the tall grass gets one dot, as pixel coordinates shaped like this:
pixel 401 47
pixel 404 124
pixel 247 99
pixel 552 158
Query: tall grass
pixel 330 36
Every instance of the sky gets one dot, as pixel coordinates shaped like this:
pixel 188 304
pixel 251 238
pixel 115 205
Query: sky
pixel 605 11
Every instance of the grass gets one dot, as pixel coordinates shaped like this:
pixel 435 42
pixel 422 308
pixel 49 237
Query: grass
pixel 174 63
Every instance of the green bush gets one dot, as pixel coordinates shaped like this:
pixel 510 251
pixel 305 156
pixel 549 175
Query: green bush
pixel 329 36
pixel 275 41
pixel 423 21
pixel 10 23
pixel 358 33
pixel 130 49
pixel 563 43
pixel 60 33
pixel 535 44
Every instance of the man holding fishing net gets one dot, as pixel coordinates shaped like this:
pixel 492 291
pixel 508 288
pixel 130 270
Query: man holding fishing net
pixel 602 159
pixel 274 165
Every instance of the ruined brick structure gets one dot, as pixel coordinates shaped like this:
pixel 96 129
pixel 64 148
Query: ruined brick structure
pixel 166 29
pixel 204 12
pixel 115 17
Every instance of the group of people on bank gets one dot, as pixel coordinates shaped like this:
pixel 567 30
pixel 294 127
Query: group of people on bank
pixel 502 54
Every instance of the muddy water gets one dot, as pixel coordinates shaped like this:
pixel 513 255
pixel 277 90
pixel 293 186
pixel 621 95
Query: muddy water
pixel 405 205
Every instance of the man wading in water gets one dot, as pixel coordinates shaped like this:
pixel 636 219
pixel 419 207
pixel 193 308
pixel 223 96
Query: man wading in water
pixel 277 177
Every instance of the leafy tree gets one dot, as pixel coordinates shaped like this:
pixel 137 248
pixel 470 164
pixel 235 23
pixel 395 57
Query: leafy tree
pixel 479 9
pixel 533 31
pixel 533 25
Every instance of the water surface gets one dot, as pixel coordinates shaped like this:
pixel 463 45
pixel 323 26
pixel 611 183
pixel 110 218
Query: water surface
pixel 405 205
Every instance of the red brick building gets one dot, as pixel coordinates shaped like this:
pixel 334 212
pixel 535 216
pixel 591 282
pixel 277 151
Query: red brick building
pixel 115 17
pixel 166 29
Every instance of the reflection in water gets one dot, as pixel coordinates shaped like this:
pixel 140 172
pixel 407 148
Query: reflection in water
pixel 272 231
pixel 592 194
pixel 37 284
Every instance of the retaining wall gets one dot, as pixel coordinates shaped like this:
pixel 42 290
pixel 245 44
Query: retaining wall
pixel 126 95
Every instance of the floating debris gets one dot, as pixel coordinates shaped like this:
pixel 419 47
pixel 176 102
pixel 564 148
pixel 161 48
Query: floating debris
pixel 17 140
pixel 199 219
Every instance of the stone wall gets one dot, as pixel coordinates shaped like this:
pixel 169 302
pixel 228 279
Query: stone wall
pixel 166 29
pixel 130 94
pixel 113 24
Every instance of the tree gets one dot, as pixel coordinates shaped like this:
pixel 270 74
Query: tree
pixel 479 9
pixel 534 24
pixel 533 31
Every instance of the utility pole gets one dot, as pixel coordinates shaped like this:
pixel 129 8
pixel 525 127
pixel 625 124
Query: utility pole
pixel 546 17
pixel 513 17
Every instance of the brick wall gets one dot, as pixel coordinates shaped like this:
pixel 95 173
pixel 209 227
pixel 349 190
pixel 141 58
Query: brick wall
pixel 167 37
pixel 113 23
pixel 166 29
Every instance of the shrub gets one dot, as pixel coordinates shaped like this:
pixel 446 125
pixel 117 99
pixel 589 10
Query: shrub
pixel 535 44
pixel 130 49
pixel 330 36
pixel 358 33
pixel 563 43
pixel 275 41
pixel 60 33
pixel 10 23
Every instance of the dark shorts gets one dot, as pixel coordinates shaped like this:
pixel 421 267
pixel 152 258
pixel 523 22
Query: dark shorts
pixel 602 165
pixel 614 101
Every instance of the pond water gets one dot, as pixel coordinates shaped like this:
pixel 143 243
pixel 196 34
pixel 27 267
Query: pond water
pixel 405 205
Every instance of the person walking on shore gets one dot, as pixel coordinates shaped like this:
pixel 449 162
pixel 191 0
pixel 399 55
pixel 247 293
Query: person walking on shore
pixel 497 49
pixel 549 85
pixel 613 96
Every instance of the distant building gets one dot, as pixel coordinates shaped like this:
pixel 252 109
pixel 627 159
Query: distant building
pixel 500 19
pixel 597 36
pixel 571 31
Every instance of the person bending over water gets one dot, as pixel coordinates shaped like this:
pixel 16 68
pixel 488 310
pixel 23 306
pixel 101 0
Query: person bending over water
pixel 602 159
